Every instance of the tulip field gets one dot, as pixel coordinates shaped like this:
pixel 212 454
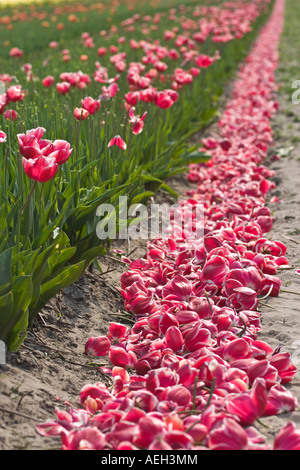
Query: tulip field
pixel 102 102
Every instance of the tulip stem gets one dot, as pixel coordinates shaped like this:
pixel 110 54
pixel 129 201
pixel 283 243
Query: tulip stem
pixel 28 198
pixel 77 147
pixel 192 425
pixel 212 389
pixel 244 328
pixel 290 292
pixel 5 171
pixel 59 177
pixel 123 317
pixel 129 146
pixel 188 412
pixel 95 364
pixel 210 306
pixel 41 205
pixel 267 294
pixel 195 392
pixel 20 218
pixel 263 424
pixel 266 305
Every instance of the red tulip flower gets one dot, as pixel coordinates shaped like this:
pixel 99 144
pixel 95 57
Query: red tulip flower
pixel 174 338
pixel 280 400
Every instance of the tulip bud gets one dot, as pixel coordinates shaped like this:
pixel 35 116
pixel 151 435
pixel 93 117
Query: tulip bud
pixel 80 114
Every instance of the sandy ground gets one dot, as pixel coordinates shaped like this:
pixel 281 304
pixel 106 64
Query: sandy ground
pixel 281 320
pixel 51 366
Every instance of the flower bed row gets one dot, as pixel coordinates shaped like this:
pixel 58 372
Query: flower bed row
pixel 192 373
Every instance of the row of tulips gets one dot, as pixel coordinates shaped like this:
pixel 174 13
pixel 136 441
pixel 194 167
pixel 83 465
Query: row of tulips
pixel 113 131
pixel 69 20
pixel 192 373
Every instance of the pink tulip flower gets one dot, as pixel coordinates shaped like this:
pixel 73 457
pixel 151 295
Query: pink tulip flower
pixel 174 338
pixel 102 51
pixel 116 331
pixel 32 146
pixel 204 61
pixel 48 81
pixel 15 93
pixel 41 169
pixel 11 115
pixel 228 436
pixel 3 137
pixel 117 140
pixel 165 99
pixel 62 150
pixel 249 405
pixel 91 105
pixel 16 52
pixel 84 439
pixel 137 122
pixel 97 346
pixel 63 88
pixel 80 114
pixel 120 357
pixel 280 400
pixel 288 438
pixel 29 143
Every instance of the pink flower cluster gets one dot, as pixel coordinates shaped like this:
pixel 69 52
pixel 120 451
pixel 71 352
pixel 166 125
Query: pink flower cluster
pixel 192 373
